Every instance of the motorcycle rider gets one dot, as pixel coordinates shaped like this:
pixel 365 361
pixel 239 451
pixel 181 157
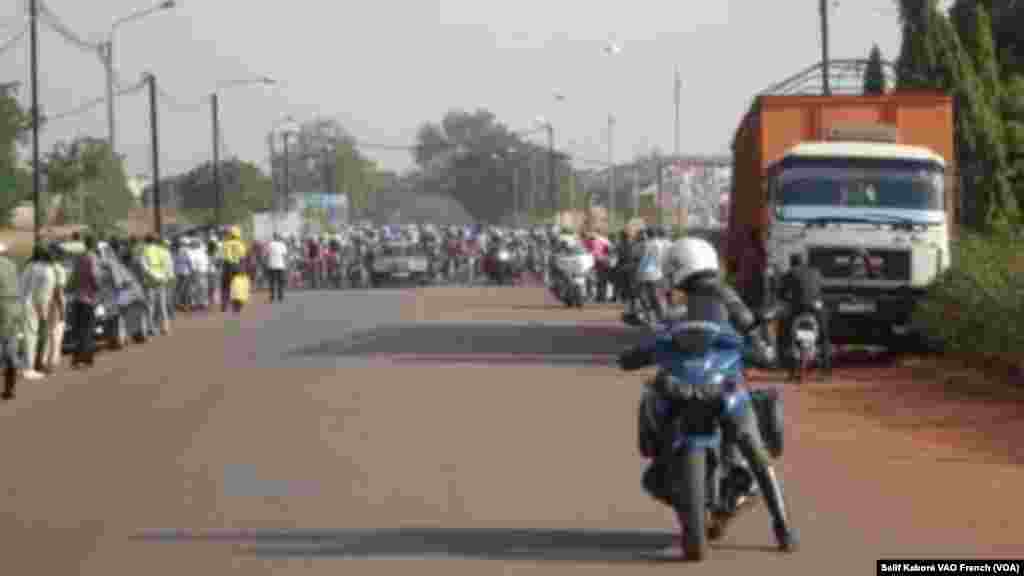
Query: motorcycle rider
pixel 649 276
pixel 801 290
pixel 692 267
pixel 563 245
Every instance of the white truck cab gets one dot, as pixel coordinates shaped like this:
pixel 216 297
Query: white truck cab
pixel 870 216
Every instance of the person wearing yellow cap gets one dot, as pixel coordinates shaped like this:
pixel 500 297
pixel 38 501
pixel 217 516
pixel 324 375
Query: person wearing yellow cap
pixel 234 252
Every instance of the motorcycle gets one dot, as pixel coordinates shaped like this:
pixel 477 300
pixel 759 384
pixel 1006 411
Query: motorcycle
pixel 708 490
pixel 501 266
pixel 805 342
pixel 334 270
pixel 572 285
pixel 358 275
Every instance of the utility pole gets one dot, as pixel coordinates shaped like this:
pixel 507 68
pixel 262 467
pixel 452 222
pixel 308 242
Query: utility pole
pixel 286 179
pixel 552 184
pixel 37 214
pixel 107 54
pixel 531 200
pixel 158 224
pixel 611 171
pixel 636 192
pixel 515 192
pixel 826 89
pixel 660 208
pixel 678 95
pixel 275 182
pixel 214 105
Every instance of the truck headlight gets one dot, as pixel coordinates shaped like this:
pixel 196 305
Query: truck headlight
pixel 100 311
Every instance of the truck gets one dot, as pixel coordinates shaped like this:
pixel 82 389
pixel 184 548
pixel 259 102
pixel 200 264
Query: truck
pixel 864 187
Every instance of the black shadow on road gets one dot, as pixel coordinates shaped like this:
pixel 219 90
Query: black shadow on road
pixel 484 342
pixel 487 544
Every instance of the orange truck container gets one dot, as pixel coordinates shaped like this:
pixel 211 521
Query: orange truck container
pixel 774 124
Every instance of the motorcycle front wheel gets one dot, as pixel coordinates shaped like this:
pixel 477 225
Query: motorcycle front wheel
pixel 692 513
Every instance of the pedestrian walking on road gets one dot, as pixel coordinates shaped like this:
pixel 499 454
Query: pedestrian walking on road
pixel 277 265
pixel 36 291
pixel 234 252
pixel 10 317
pixel 87 289
pixel 56 320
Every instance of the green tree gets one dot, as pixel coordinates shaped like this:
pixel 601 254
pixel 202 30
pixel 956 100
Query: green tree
pixel 245 187
pixel 874 74
pixel 14 124
pixel 471 157
pixel 933 56
pixel 90 181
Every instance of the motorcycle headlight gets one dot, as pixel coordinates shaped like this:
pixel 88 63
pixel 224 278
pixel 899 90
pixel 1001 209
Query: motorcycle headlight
pixel 100 311
pixel 504 255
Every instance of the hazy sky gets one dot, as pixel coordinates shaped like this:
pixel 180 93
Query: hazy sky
pixel 382 67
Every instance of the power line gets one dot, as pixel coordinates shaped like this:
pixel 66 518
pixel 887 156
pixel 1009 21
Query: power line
pixel 13 40
pixel 393 147
pixel 87 106
pixel 55 24
pixel 178 104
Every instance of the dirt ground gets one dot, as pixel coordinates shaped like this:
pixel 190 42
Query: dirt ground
pixel 221 449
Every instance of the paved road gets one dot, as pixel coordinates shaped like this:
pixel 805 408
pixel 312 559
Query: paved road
pixel 480 428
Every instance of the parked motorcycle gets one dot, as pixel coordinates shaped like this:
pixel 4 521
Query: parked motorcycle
pixel 708 490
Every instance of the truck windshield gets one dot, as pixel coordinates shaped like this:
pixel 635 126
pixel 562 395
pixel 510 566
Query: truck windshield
pixel 860 184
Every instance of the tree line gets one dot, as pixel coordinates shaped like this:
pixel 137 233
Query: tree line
pixel 975 52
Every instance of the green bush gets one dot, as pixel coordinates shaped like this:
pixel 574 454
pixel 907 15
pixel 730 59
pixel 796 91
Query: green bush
pixel 976 308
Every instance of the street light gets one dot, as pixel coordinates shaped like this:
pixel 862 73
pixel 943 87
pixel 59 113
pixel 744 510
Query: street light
pixel 544 123
pixel 504 157
pixel 215 113
pixel 282 191
pixel 611 49
pixel 107 56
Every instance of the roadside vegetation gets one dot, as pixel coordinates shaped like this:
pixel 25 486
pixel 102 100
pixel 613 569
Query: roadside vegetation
pixel 975 52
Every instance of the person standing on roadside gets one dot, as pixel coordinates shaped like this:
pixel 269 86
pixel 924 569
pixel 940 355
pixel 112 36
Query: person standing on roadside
pixel 155 284
pixel 56 318
pixel 87 288
pixel 200 263
pixel 277 264
pixel 234 252
pixel 213 277
pixel 138 317
pixel 171 285
pixel 10 316
pixel 185 276
pixel 35 291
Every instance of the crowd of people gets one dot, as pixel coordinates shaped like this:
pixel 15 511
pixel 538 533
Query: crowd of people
pixel 151 278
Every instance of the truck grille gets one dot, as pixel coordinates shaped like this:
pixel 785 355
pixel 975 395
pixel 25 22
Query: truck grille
pixel 843 263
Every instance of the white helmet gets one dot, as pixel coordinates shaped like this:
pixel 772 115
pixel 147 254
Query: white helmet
pixel 688 256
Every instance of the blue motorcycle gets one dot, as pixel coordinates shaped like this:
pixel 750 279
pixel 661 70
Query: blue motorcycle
pixel 700 380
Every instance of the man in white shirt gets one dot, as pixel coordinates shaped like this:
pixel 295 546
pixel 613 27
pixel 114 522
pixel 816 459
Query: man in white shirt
pixel 35 292
pixel 200 260
pixel 277 264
